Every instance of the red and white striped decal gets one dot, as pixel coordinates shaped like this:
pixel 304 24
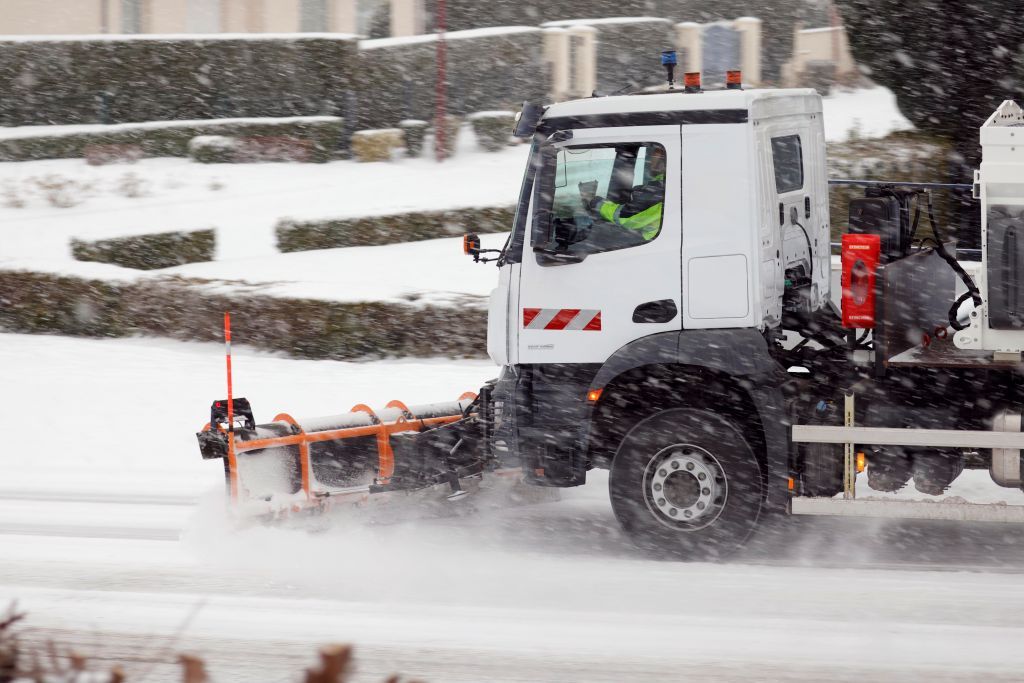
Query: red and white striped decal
pixel 586 320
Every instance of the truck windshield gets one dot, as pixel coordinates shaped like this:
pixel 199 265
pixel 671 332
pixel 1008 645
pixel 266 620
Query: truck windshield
pixel 599 197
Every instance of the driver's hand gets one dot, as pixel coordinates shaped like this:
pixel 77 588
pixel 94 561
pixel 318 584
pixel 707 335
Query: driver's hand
pixel 588 191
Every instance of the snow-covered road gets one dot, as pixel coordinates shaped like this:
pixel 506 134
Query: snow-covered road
pixel 112 537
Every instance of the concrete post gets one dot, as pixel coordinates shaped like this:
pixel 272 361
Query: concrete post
pixel 749 29
pixel 845 64
pixel 583 60
pixel 688 39
pixel 343 17
pixel 202 16
pixel 407 17
pixel 793 69
pixel 556 54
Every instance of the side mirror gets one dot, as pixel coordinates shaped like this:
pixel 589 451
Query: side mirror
pixel 527 120
pixel 471 245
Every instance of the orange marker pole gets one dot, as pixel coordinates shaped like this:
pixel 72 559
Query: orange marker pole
pixel 232 460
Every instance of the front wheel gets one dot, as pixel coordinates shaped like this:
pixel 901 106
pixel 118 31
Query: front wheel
pixel 685 483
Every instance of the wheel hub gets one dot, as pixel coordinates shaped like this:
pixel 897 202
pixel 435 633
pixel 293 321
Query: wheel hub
pixel 685 487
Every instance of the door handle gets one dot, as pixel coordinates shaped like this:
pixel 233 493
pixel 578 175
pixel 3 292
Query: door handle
pixel 662 311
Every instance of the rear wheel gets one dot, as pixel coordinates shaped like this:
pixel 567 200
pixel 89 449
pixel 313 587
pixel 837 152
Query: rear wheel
pixel 685 483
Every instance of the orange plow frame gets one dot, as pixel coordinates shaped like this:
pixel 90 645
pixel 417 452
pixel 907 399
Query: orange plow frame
pixel 406 422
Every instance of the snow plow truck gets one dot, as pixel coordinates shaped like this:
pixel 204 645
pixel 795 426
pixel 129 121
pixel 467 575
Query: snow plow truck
pixel 696 352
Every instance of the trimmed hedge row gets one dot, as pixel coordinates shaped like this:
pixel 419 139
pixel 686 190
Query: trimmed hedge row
pixel 369 231
pixel 493 128
pixel 149 252
pixel 171 138
pixel 48 304
pixel 160 78
pixel 487 69
pixel 908 156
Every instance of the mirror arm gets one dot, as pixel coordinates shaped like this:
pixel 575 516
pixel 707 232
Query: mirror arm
pixel 478 259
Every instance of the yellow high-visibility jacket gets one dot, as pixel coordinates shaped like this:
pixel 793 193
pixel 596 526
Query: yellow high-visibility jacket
pixel 639 213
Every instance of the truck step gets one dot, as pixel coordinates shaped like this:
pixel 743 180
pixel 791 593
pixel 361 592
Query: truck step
pixel 906 509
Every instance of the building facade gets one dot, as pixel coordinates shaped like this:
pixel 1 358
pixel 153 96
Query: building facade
pixel 61 17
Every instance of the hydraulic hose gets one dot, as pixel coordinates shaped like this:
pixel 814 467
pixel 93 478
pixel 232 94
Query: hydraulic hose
pixel 954 319
pixel 810 249
pixel 972 289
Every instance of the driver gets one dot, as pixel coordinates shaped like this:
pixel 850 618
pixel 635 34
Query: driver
pixel 642 211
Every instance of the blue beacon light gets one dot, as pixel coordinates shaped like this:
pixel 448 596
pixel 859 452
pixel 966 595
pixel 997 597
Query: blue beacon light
pixel 668 60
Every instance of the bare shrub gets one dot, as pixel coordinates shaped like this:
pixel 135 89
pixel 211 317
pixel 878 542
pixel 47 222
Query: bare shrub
pixel 9 650
pixel 62 192
pixel 11 194
pixel 132 185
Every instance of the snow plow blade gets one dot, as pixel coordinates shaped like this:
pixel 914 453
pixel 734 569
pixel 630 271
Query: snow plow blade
pixel 291 465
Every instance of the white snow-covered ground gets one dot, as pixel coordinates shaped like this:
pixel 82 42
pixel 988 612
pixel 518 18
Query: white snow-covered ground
pixel 74 410
pixel 863 113
pixel 244 202
pixel 112 537
pixel 429 272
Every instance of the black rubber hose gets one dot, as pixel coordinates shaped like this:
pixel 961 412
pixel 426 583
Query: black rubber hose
pixel 810 249
pixel 917 218
pixel 972 289
pixel 954 320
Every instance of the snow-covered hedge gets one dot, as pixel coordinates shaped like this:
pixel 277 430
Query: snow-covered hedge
pixel 493 128
pixel 905 155
pixel 213 149
pixel 119 79
pixel 492 68
pixel 414 131
pixel 43 303
pixel 391 229
pixel 164 138
pixel 149 252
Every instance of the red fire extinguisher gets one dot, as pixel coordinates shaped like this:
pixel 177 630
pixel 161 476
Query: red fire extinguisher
pixel 860 268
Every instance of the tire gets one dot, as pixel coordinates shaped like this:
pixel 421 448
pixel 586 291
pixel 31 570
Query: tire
pixel 889 468
pixel 658 485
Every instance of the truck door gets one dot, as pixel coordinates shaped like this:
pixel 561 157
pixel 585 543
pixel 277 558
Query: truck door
pixel 799 175
pixel 601 267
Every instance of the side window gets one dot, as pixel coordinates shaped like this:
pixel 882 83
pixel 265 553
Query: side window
pixel 594 198
pixel 788 158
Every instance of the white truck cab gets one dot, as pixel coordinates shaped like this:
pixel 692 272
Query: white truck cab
pixel 743 217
